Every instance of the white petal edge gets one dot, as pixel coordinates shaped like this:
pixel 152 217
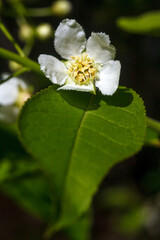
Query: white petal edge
pixel 53 69
pixel 10 89
pixel 109 78
pixel 99 48
pixel 70 39
pixel 70 85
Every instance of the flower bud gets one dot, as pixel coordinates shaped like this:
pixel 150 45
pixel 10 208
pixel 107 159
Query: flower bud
pixel 14 66
pixel 44 31
pixel 61 7
pixel 13 94
pixel 26 32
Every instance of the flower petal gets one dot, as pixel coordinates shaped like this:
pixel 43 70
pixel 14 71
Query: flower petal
pixel 109 78
pixel 53 69
pixel 71 85
pixel 99 48
pixel 9 90
pixel 69 39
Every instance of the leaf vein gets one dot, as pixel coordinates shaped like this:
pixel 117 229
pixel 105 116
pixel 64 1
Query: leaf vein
pixel 95 146
pixel 108 120
pixel 110 139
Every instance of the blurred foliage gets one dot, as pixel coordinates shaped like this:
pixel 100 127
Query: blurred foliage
pixel 118 197
pixel 131 221
pixel 152 137
pixel 20 175
pixel 147 23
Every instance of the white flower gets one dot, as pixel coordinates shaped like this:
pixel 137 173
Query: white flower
pixel 13 94
pixel 89 62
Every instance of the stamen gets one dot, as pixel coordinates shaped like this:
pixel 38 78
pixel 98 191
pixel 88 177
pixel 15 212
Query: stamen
pixel 82 69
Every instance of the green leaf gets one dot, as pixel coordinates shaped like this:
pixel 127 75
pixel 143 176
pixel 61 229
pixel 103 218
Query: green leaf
pixel 147 23
pixel 76 138
pixel 81 229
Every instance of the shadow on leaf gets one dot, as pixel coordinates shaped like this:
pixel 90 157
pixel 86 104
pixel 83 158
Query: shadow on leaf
pixel 83 100
pixel 121 98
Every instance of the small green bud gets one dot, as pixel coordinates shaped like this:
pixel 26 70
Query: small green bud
pixel 61 7
pixel 14 66
pixel 44 31
pixel 26 32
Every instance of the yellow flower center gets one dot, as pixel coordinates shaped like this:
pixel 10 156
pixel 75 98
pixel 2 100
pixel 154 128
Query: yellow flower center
pixel 82 69
pixel 22 97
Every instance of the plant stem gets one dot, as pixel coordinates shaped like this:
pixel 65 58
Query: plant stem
pixel 15 74
pixel 153 124
pixel 39 12
pixel 11 39
pixel 19 8
pixel 24 61
pixel 28 47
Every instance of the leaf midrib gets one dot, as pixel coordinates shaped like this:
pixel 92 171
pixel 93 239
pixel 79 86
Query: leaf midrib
pixel 72 150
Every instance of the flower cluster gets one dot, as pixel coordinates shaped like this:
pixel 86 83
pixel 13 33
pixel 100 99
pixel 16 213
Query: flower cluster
pixel 13 94
pixel 89 63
